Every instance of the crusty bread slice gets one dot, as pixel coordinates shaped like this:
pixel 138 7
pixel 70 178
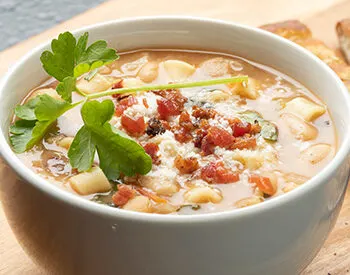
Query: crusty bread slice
pixel 299 33
pixel 343 32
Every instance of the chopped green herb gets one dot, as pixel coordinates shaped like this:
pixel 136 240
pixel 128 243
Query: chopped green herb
pixel 268 130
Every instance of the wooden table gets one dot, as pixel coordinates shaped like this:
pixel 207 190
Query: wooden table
pixel 319 15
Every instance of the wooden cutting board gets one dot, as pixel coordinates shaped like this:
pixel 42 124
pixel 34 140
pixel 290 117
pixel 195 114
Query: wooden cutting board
pixel 319 15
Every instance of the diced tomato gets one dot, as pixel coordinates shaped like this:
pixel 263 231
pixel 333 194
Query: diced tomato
pixel 145 103
pixel 220 137
pixel 123 195
pixel 133 126
pixel 240 128
pixel 263 183
pixel 152 149
pixel 216 136
pixel 167 108
pixel 171 103
pixel 218 173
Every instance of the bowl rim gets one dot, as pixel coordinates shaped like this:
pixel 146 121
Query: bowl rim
pixel 114 213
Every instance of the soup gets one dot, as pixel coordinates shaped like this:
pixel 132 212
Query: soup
pixel 213 148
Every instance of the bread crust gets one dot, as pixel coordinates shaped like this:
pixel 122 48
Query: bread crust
pixel 299 33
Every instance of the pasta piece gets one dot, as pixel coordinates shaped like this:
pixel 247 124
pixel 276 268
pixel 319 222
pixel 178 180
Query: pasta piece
pixel 316 153
pixel 148 72
pixel 295 178
pixel 217 96
pixel 132 82
pixel 249 90
pixel 65 142
pixel 202 195
pixel 164 208
pixel 178 70
pixel 134 67
pixel 161 185
pixel 104 70
pixel 139 204
pixel 45 91
pixel 305 108
pixel 215 67
pixel 248 201
pixel 250 159
pixel 289 187
pixel 300 128
pixel 97 84
pixel 90 182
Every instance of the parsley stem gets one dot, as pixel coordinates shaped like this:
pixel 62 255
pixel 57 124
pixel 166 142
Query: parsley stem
pixel 156 87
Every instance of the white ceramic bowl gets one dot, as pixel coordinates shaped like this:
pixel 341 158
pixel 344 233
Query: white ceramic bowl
pixel 69 235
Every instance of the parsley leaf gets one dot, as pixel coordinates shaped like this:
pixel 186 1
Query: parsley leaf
pixel 60 62
pixel 117 153
pixel 37 117
pixel 66 87
pixel 95 56
pixel 70 59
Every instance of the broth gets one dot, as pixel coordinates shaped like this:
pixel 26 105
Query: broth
pixel 204 158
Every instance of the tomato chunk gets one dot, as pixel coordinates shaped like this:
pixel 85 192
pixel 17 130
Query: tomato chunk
pixel 240 128
pixel 167 108
pixel 123 195
pixel 133 126
pixel 171 103
pixel 263 183
pixel 216 136
pixel 218 173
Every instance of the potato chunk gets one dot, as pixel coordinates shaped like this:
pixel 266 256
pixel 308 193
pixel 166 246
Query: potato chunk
pixel 97 84
pixel 216 67
pixel 202 195
pixel 90 182
pixel 316 153
pixel 300 128
pixel 249 90
pixel 305 108
pixel 178 70
pixel 148 72
pixel 139 204
pixel 45 91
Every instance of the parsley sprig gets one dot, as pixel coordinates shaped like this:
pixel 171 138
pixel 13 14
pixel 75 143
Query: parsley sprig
pixel 117 152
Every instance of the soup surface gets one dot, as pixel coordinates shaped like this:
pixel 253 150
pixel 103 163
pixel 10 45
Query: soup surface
pixel 213 148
